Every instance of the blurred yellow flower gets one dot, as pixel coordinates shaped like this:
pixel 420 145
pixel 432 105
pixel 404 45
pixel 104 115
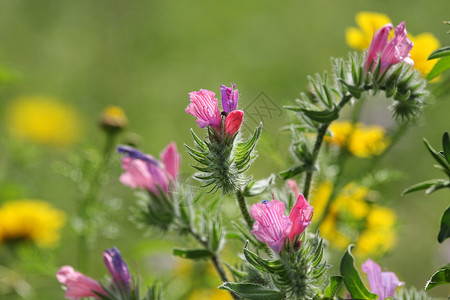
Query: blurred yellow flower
pixel 210 295
pixel 379 235
pixel 43 120
pixel 33 220
pixel 370 22
pixel 351 219
pixel 361 140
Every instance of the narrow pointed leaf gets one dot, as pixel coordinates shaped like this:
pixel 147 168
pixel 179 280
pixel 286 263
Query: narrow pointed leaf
pixel 422 185
pixel 446 146
pixel 192 253
pixel 441 52
pixel 259 187
pixel 441 66
pixel 252 291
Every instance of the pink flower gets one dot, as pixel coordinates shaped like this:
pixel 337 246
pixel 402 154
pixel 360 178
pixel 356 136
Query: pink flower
pixel 300 216
pixel 204 107
pixel 77 284
pixel 171 160
pixel 230 98
pixel 391 52
pixel 233 122
pixel 381 283
pixel 271 226
pixel 143 171
pixel 293 186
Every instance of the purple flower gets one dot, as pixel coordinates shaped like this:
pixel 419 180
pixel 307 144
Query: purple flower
pixel 300 216
pixel 77 284
pixel 381 283
pixel 391 52
pixel 230 97
pixel 271 226
pixel 145 172
pixel 117 268
pixel 204 107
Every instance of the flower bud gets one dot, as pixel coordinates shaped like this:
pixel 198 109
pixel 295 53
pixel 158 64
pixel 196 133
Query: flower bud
pixel 77 284
pixel 230 98
pixel 300 216
pixel 113 119
pixel 117 268
pixel 233 122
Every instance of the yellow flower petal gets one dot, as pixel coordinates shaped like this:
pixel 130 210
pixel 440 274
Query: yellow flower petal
pixel 424 44
pixel 369 23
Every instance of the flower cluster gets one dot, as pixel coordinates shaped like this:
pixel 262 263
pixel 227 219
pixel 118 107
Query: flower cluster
pixel 33 220
pixel 145 172
pixel 273 227
pixel 351 218
pixel 205 108
pixel 361 140
pixel 369 23
pixel 78 285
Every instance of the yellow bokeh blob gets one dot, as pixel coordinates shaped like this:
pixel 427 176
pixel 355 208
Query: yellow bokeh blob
pixel 43 120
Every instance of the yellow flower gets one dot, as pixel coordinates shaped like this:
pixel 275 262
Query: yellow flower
pixel 350 216
pixel 379 235
pixel 33 220
pixel 43 120
pixel 361 140
pixel 210 295
pixel 369 23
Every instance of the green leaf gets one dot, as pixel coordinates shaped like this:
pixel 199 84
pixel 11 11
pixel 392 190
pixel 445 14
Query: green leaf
pixel 441 66
pixel 436 187
pixel 324 116
pixel 444 232
pixel 293 171
pixel 441 276
pixel 352 280
pixel 437 156
pixel 268 266
pixel 333 287
pixel 252 291
pixel 441 52
pixel 422 185
pixel 446 146
pixel 192 253
pixel 258 187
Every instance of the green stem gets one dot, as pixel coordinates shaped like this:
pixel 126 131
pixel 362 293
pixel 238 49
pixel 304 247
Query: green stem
pixel 318 144
pixel 215 259
pixel 90 200
pixel 244 210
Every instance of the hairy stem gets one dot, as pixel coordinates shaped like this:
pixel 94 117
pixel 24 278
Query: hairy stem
pixel 318 144
pixel 215 259
pixel 244 210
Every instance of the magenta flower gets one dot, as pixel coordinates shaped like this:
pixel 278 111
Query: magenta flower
pixel 117 268
pixel 171 160
pixel 143 171
pixel 300 216
pixel 204 107
pixel 77 284
pixel 271 226
pixel 391 52
pixel 233 122
pixel 230 98
pixel 381 283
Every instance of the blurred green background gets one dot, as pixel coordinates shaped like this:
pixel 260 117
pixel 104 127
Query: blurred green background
pixel 145 56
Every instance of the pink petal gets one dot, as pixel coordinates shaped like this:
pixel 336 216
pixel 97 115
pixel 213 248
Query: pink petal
pixel 233 122
pixel 171 160
pixel 300 216
pixel 78 285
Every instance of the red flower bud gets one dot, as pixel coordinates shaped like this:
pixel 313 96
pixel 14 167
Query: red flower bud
pixel 233 122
